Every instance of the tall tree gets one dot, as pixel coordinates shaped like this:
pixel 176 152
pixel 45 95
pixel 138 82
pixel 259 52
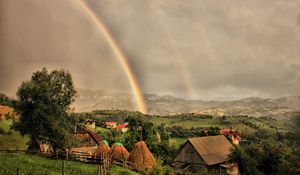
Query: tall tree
pixel 43 104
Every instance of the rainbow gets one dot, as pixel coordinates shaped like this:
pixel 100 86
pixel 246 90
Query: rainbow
pixel 139 98
pixel 179 60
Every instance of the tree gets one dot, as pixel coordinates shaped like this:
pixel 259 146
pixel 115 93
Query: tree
pixel 246 164
pixel 140 129
pixel 5 100
pixel 43 104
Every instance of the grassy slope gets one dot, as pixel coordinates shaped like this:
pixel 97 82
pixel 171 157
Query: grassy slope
pixel 38 165
pixel 35 165
pixel 177 141
pixel 235 122
pixel 14 140
pixel 268 124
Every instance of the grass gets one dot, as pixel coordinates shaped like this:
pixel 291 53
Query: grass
pixel 36 165
pixel 6 124
pixel 268 124
pixel 117 170
pixel 11 139
pixel 177 141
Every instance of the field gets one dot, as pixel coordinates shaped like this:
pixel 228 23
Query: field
pixel 35 165
pixel 11 139
pixel 241 123
pixel 177 142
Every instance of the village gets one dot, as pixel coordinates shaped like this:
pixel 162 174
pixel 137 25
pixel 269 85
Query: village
pixel 200 155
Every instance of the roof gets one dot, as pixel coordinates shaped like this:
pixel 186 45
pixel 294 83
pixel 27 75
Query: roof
pixel 97 138
pixel 81 129
pixel 6 110
pixel 122 126
pixel 110 123
pixel 213 149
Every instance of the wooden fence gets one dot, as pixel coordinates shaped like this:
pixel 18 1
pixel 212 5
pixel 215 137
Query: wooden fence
pixel 103 160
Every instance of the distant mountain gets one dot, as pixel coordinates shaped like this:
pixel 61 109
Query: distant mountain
pixel 283 107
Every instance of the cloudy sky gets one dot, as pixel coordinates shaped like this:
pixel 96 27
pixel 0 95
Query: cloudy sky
pixel 200 49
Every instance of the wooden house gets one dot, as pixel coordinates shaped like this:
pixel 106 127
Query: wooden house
pixel 90 124
pixel 204 155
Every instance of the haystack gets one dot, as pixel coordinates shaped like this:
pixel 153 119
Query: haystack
pixel 103 148
pixel 118 152
pixel 140 157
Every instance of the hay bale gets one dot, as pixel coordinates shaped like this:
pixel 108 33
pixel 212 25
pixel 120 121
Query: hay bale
pixel 103 148
pixel 140 157
pixel 118 152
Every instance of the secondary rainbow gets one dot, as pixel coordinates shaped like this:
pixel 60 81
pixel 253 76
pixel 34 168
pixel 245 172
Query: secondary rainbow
pixel 139 98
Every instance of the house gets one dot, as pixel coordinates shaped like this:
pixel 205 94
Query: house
pixel 233 134
pixel 90 124
pixel 205 155
pixel 123 127
pixel 110 124
pixel 6 111
pixel 87 141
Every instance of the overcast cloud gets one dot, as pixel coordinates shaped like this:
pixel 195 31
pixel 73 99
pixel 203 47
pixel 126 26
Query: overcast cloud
pixel 201 49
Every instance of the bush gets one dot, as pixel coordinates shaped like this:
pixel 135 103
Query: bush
pixel 2 131
pixel 159 169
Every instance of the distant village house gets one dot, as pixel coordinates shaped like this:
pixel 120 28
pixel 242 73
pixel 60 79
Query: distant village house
pixel 232 134
pixel 90 124
pixel 123 127
pixel 110 124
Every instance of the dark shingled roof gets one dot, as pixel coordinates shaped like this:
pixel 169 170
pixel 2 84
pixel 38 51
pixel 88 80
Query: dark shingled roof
pixel 94 136
pixel 97 138
pixel 213 149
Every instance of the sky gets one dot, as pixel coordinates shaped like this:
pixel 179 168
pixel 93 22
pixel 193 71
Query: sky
pixel 194 49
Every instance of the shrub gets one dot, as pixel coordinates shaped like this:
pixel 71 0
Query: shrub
pixel 2 131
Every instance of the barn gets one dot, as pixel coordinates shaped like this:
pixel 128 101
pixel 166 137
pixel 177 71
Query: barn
pixel 88 140
pixel 205 155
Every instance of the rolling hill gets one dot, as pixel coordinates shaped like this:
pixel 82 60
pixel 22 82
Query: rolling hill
pixel 284 107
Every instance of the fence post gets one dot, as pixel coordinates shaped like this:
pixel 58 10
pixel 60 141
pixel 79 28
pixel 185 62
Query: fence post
pixel 62 166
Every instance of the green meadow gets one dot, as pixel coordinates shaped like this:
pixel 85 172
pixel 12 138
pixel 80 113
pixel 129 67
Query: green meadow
pixel 10 163
pixel 11 139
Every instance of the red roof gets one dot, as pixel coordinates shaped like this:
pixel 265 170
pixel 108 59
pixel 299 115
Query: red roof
pixel 122 126
pixel 224 131
pixel 110 123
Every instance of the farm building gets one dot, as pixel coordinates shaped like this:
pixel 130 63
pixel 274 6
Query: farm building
pixel 88 141
pixel 140 157
pixel 233 134
pixel 90 124
pixel 6 111
pixel 110 124
pixel 123 127
pixel 205 155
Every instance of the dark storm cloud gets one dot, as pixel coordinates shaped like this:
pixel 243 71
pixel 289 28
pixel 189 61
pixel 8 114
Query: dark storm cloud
pixel 218 49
